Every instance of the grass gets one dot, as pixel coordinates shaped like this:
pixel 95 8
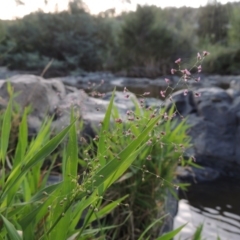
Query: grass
pixel 80 205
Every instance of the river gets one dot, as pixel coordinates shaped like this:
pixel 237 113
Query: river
pixel 216 205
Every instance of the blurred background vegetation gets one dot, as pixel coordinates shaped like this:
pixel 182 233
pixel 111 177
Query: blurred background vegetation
pixel 143 43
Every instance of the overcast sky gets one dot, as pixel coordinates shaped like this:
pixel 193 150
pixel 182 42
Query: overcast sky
pixel 9 10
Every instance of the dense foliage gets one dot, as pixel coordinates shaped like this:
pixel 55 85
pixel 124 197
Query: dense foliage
pixel 114 173
pixel 140 43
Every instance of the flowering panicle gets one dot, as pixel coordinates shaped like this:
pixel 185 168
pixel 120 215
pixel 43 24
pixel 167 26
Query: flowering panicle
pixel 186 72
pixel 167 80
pixel 205 53
pixel 185 92
pixel 178 61
pixel 199 57
pixel 196 94
pixel 199 68
pixel 163 93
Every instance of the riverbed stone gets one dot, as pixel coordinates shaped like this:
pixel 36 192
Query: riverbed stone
pixel 51 97
pixel 215 128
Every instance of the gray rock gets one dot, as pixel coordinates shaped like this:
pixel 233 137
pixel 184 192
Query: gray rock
pixel 197 175
pixel 184 104
pixel 235 83
pixel 41 94
pixel 5 73
pixel 170 211
pixel 51 97
pixel 124 101
pixel 215 127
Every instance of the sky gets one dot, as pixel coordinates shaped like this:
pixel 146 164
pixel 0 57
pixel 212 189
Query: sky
pixel 9 10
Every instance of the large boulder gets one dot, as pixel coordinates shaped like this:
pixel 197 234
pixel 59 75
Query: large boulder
pixel 214 118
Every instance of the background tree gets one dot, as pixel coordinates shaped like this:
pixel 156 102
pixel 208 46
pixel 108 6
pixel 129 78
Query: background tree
pixel 213 22
pixel 148 42
pixel 234 30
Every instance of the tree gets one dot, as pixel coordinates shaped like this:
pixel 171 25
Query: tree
pixel 234 30
pixel 76 6
pixel 148 43
pixel 213 22
pixel 142 40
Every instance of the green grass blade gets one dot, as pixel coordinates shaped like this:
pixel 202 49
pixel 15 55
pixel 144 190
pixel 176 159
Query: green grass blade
pixel 6 128
pixel 170 235
pixel 198 233
pixel 46 196
pixel 151 226
pixel 18 173
pixel 70 167
pixel 105 127
pixel 42 136
pixel 12 232
pixel 22 139
pixel 107 209
pixel 72 151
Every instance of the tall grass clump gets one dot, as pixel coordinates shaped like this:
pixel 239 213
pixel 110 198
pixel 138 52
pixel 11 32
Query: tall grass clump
pixel 151 177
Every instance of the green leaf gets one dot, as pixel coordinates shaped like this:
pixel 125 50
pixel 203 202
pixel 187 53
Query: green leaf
pixel 47 196
pixel 151 226
pixel 107 209
pixel 105 126
pixel 70 168
pixel 22 139
pixel 198 233
pixel 71 163
pixel 18 173
pixel 170 235
pixel 6 128
pixel 12 232
pixel 40 139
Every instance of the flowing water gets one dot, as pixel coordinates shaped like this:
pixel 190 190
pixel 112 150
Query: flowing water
pixel 216 205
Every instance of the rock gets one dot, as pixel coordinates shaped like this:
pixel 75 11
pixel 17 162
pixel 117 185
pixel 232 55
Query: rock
pixel 124 101
pixel 5 73
pixel 46 97
pixel 41 94
pixel 51 97
pixel 197 175
pixel 184 104
pixel 215 128
pixel 170 210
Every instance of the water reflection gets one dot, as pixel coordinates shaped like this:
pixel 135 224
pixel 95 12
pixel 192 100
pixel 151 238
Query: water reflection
pixel 138 90
pixel 214 204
